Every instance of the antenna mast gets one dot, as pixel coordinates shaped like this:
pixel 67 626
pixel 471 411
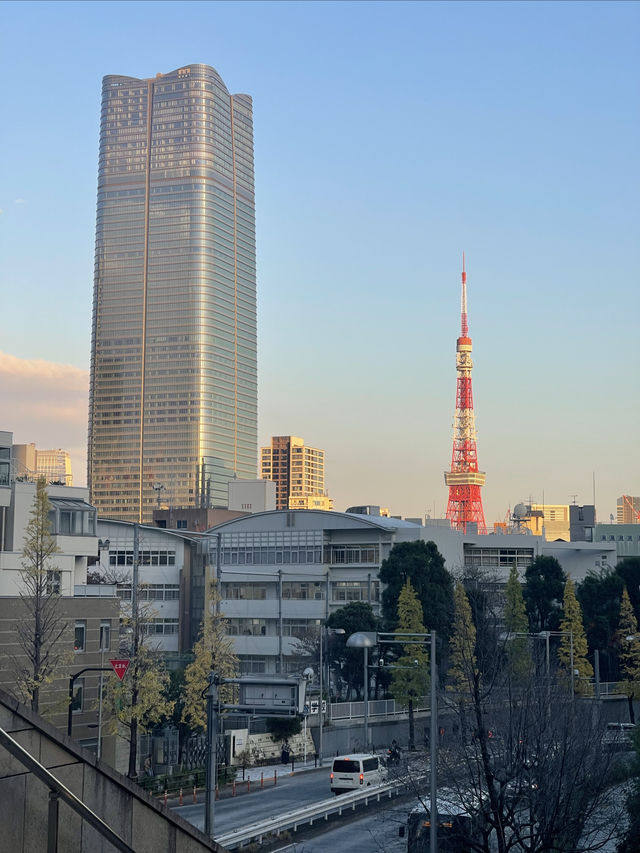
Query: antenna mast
pixel 464 479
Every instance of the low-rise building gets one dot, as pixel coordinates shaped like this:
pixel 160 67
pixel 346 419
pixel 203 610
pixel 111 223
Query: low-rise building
pixel 171 579
pixel 283 573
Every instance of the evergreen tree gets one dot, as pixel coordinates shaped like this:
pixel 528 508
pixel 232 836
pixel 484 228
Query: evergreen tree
pixel 423 564
pixel 463 668
pixel 574 638
pixel 410 679
pixel 213 651
pixel 516 622
pixel 40 633
pixel 353 617
pixel 629 644
pixel 543 589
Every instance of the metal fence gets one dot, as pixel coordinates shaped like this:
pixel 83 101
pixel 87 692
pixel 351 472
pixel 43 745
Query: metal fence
pixel 375 708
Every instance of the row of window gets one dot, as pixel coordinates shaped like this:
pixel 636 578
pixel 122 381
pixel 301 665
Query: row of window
pixel 269 627
pixel 304 591
pixel 146 558
pixel 151 592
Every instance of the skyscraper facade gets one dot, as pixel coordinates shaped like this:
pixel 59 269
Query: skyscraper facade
pixel 173 391
pixel 298 472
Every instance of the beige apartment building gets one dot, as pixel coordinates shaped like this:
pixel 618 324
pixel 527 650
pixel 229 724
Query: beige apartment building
pixel 31 463
pixel 298 472
pixel 552 518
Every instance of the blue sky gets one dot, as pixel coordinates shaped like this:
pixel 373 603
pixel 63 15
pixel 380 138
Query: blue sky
pixel 389 137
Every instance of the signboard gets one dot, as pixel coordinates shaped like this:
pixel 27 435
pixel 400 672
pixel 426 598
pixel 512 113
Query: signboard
pixel 314 706
pixel 120 667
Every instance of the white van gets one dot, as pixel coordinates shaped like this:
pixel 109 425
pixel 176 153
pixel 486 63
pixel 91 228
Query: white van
pixel 353 772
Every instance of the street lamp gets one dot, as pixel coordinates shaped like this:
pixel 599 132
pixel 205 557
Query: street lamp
pixel 364 640
pixel 545 635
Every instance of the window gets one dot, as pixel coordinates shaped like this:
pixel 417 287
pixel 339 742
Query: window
pixel 77 702
pixel 105 636
pixel 355 591
pixel 247 627
pixel 181 524
pixel 302 591
pixel 54 580
pixel 80 636
pixel 252 665
pixel 244 591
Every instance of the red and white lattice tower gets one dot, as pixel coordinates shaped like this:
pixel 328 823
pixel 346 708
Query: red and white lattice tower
pixel 464 479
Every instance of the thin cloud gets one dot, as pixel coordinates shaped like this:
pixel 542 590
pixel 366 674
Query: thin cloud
pixel 46 403
pixel 65 377
pixel 20 201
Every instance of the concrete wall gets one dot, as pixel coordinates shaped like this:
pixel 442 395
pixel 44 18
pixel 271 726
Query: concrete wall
pixel 138 819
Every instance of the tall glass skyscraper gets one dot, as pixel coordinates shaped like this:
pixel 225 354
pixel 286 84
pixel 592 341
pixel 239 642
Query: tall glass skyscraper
pixel 173 393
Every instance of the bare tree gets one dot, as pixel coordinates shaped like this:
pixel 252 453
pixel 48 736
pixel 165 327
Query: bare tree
pixel 525 752
pixel 141 699
pixel 40 632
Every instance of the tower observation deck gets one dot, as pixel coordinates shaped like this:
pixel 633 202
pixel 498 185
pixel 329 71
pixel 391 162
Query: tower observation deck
pixel 464 479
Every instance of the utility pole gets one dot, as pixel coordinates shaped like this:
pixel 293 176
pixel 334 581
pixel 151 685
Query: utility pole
pixel 212 755
pixel 135 642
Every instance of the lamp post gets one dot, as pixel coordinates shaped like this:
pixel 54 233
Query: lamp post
pixel 545 635
pixel 364 640
pixel 420 639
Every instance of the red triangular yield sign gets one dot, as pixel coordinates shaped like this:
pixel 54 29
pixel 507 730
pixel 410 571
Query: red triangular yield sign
pixel 120 667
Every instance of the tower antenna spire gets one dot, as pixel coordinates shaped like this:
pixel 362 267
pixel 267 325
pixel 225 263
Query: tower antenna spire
pixel 464 479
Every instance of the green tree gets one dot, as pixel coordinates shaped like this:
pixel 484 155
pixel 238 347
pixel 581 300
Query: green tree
pixel 573 642
pixel 629 645
pixel 213 651
pixel 599 595
pixel 516 622
pixel 353 617
pixel 410 672
pixel 629 570
pixel 543 591
pixel 423 565
pixel 40 633
pixel 463 666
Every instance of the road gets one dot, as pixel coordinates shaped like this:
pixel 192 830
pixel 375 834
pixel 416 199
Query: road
pixel 291 792
pixel 374 832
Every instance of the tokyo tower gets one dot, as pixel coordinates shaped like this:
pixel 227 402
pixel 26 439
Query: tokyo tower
pixel 464 479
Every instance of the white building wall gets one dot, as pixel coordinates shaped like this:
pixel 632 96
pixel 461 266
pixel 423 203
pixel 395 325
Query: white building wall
pixel 252 495
pixel 72 559
pixel 116 564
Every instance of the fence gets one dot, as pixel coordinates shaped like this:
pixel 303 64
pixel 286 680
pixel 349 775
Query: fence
pixel 375 708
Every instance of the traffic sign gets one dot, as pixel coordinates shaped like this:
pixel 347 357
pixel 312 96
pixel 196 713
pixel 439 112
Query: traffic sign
pixel 120 667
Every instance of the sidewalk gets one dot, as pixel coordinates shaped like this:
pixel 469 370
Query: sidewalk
pixel 254 779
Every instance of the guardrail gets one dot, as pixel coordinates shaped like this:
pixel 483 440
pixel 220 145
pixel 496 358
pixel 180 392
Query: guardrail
pixel 307 815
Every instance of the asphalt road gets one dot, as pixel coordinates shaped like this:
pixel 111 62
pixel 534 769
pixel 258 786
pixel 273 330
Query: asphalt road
pixel 290 792
pixel 373 832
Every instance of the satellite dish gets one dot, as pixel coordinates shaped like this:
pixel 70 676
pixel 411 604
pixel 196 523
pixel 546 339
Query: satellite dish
pixel 520 511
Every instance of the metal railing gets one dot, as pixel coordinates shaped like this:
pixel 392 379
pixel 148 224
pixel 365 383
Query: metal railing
pixel 95 590
pixel 307 814
pixel 376 708
pixel 57 791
